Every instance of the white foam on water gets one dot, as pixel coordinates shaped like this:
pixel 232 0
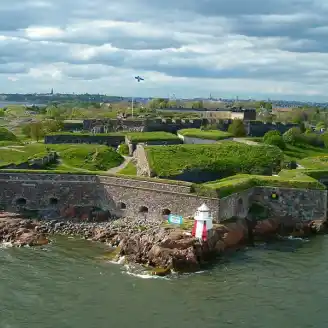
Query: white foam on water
pixel 6 244
pixel 145 275
pixel 121 260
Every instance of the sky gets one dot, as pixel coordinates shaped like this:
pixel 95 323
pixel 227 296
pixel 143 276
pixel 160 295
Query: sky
pixel 188 48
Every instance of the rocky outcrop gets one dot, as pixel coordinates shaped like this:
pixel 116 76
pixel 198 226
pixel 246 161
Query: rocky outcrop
pixel 20 232
pixel 156 245
pixel 176 249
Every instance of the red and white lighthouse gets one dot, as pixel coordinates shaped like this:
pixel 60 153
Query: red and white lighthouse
pixel 203 223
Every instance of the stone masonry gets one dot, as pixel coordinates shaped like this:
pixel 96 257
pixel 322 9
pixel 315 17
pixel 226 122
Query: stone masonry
pixel 133 197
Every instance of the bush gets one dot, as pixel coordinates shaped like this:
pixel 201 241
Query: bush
pixel 313 139
pixel 6 135
pixel 270 134
pixel 237 128
pixel 276 140
pixel 292 136
pixel 123 149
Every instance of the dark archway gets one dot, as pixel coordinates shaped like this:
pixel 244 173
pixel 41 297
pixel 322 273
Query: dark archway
pixel 166 211
pixel 21 201
pixel 53 201
pixel 122 206
pixel 143 209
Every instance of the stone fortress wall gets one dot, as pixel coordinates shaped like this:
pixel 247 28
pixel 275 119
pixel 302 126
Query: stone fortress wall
pixel 134 197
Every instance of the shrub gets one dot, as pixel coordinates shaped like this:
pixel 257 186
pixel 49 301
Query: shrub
pixel 292 136
pixel 270 134
pixel 123 149
pixel 237 128
pixel 276 140
pixel 6 135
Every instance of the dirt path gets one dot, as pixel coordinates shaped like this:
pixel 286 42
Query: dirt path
pixel 116 169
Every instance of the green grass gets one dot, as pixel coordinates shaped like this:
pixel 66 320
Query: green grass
pixel 75 156
pixel 316 163
pixel 298 152
pixel 10 143
pixel 202 134
pixel 130 169
pixel 87 157
pixel 151 136
pixel 12 155
pixel 6 135
pixel 225 187
pixel 225 158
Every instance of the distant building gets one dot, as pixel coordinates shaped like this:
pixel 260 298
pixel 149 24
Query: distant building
pixel 231 114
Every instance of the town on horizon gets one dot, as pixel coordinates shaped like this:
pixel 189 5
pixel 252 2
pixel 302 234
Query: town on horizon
pixel 40 98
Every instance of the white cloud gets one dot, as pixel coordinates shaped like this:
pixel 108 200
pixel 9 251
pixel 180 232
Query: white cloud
pixel 190 48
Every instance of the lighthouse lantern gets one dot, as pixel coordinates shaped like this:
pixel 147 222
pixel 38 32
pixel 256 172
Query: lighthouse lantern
pixel 203 223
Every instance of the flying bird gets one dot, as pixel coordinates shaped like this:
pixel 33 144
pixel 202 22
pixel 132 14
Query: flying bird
pixel 138 78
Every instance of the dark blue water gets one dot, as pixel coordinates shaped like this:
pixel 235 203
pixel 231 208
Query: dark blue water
pixel 67 285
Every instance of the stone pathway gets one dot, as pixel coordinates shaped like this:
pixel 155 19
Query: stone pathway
pixel 116 169
pixel 14 149
pixel 245 141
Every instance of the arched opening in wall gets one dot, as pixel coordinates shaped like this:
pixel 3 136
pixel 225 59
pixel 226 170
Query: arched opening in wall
pixel 53 201
pixel 166 211
pixel 143 209
pixel 240 204
pixel 21 201
pixel 122 206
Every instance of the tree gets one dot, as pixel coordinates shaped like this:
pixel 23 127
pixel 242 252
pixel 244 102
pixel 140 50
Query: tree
pixel 237 128
pixel 53 112
pixel 268 106
pixel 34 130
pixel 275 140
pixel 197 105
pixel 172 104
pixel 292 136
pixel 52 126
pixel 320 125
pixel 2 112
pixel 37 131
pixel 270 134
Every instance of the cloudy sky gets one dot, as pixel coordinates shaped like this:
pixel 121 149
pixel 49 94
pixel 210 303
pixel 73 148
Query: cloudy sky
pixel 190 48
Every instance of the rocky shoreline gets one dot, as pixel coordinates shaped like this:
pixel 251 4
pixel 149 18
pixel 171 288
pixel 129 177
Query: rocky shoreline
pixel 156 245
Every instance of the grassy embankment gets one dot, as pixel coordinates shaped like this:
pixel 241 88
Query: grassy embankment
pixel 151 136
pixel 225 158
pixel 286 179
pixel 72 157
pixel 203 134
pixel 130 169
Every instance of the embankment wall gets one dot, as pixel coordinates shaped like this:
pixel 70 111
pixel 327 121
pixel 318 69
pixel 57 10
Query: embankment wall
pixel 119 196
pixel 132 197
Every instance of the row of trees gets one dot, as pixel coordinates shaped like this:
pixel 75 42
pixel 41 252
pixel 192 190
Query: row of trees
pixel 37 130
